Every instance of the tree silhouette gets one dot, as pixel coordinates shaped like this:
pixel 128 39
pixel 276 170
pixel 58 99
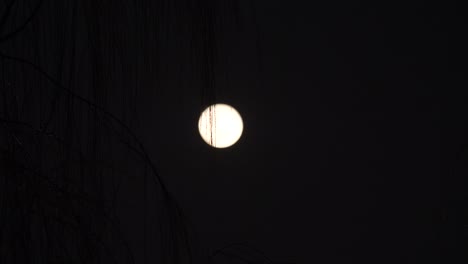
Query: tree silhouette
pixel 70 72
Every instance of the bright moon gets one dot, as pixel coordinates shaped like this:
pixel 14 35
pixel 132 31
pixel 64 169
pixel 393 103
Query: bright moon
pixel 220 125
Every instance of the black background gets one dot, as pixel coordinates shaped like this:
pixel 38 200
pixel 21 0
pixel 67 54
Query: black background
pixel 355 127
pixel 352 125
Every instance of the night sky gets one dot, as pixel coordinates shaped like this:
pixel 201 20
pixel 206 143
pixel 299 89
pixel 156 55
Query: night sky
pixel 354 138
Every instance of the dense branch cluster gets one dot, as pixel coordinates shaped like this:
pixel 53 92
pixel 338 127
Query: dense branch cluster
pixel 69 78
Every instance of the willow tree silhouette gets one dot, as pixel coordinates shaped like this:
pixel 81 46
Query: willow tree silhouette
pixel 70 74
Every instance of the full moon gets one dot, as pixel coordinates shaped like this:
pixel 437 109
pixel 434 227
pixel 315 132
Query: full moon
pixel 220 125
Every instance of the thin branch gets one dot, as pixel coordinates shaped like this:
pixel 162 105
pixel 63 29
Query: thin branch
pixel 24 24
pixel 157 179
pixel 6 15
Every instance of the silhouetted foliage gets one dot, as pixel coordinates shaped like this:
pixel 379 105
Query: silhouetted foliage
pixel 70 72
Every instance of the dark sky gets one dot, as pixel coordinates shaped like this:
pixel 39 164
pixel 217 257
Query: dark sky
pixel 352 115
pixel 354 122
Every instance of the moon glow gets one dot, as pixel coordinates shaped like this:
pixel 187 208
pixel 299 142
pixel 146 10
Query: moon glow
pixel 220 125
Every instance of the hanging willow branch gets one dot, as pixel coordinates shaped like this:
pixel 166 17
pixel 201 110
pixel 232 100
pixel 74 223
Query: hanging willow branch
pixel 62 148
